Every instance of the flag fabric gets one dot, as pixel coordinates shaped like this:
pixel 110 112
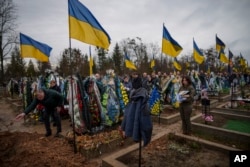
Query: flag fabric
pixel 242 61
pixel 207 67
pixel 219 44
pixel 128 63
pixel 152 63
pixel 230 55
pixel 90 62
pixel 155 101
pixel 84 27
pixel 169 45
pixel 177 64
pixel 187 64
pixel 230 62
pixel 31 48
pixel 198 55
pixel 222 57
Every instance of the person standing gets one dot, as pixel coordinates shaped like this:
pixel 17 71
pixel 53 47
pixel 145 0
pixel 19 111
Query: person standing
pixel 186 105
pixel 127 84
pixel 51 100
pixel 55 115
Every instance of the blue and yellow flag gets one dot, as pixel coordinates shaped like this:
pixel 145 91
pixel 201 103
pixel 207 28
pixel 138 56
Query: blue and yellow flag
pixel 177 64
pixel 230 55
pixel 242 61
pixel 152 63
pixel 169 45
pixel 84 27
pixel 31 48
pixel 198 55
pixel 128 63
pixel 230 62
pixel 155 101
pixel 223 58
pixel 219 44
pixel 207 67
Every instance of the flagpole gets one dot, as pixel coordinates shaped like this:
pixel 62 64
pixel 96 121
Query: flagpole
pixel 90 62
pixel 161 61
pixel 71 82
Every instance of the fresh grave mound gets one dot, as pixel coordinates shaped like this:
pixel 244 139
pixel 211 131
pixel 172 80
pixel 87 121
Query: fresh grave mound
pixel 35 150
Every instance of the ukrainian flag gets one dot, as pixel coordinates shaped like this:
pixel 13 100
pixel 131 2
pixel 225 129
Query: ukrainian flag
pixel 155 101
pixel 152 63
pixel 84 27
pixel 223 58
pixel 177 65
pixel 219 44
pixel 243 61
pixel 128 63
pixel 198 55
pixel 34 49
pixel 230 54
pixel 169 45
pixel 230 62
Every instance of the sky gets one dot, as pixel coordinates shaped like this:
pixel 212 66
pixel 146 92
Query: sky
pixel 47 21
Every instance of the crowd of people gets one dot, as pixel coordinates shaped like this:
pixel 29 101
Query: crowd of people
pixel 138 88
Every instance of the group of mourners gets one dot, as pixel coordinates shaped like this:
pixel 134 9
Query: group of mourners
pixel 173 88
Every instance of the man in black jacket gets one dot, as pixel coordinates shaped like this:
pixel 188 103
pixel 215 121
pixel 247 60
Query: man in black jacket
pixel 55 115
pixel 51 100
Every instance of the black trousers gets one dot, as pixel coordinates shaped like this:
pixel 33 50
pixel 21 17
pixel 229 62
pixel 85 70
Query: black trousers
pixel 185 113
pixel 47 114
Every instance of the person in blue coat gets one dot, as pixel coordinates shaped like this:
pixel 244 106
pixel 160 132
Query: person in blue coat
pixel 137 120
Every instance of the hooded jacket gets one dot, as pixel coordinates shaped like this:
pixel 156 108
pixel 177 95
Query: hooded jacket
pixel 137 120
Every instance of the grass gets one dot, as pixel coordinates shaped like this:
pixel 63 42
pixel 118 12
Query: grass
pixel 236 125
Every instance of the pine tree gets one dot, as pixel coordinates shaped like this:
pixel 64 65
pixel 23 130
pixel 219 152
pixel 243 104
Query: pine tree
pixel 117 60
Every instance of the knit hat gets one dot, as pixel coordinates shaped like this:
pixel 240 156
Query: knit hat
pixel 136 83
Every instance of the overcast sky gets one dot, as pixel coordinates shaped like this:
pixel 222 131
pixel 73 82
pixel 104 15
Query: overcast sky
pixel 47 22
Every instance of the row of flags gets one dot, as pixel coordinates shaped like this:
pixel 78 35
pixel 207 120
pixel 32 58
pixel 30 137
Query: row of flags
pixel 172 48
pixel 83 26
pixel 220 47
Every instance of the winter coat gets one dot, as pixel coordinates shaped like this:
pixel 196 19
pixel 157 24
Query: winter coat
pixel 52 99
pixel 137 120
pixel 56 88
pixel 191 93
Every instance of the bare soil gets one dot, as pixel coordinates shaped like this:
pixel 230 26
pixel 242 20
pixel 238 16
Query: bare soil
pixel 24 145
pixel 172 152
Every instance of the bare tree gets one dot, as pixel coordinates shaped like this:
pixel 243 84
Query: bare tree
pixel 7 31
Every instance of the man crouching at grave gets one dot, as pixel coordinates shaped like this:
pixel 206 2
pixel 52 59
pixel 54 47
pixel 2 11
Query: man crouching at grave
pixel 51 100
pixel 137 120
